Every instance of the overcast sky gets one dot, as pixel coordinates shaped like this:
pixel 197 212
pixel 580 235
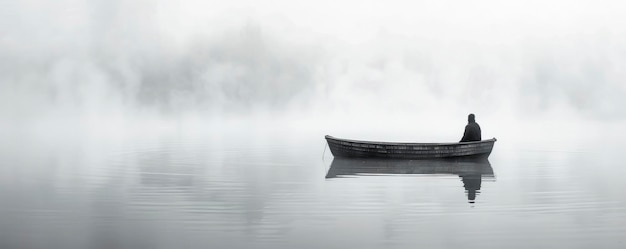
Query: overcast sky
pixel 112 58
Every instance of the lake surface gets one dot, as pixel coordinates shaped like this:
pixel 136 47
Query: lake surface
pixel 263 191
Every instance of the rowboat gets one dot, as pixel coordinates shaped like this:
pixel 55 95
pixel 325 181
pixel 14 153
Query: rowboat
pixel 369 149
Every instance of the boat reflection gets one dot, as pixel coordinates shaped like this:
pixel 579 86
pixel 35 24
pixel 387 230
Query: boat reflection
pixel 471 172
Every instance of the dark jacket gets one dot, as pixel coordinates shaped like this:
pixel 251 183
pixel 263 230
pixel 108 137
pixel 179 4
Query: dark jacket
pixel 472 132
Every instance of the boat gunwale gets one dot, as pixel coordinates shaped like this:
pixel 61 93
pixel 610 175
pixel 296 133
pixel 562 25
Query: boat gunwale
pixel 409 144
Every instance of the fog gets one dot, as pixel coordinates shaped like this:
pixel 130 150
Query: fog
pixel 316 65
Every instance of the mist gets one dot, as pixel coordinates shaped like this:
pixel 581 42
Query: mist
pixel 352 65
pixel 201 124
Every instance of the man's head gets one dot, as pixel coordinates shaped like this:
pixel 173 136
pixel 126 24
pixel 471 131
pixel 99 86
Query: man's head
pixel 471 118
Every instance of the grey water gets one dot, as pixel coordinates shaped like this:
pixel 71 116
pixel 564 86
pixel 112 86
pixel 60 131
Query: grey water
pixel 266 191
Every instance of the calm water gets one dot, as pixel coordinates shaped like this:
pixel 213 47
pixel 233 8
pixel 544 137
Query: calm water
pixel 267 192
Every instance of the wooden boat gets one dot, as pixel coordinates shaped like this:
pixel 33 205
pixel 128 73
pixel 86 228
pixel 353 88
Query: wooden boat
pixel 369 149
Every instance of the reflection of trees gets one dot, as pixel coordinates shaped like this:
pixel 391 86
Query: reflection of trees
pixel 199 187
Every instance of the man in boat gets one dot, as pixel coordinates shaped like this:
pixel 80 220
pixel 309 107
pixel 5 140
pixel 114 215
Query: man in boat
pixel 472 130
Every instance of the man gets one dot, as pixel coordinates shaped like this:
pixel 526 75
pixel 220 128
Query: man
pixel 472 130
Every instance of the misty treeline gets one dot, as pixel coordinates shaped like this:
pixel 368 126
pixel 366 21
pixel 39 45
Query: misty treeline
pixel 107 57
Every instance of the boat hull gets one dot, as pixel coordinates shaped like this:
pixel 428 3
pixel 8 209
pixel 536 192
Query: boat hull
pixel 369 149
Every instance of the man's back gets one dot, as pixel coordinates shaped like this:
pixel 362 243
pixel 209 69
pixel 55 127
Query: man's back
pixel 472 130
pixel 472 133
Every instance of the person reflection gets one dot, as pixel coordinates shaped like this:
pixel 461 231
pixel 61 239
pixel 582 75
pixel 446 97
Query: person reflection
pixel 471 183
